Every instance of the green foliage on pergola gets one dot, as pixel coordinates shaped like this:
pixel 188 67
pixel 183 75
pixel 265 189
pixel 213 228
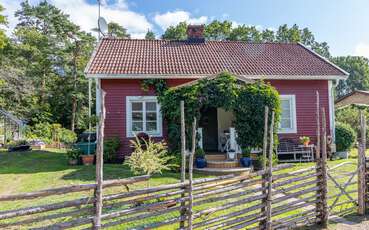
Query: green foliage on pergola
pixel 246 100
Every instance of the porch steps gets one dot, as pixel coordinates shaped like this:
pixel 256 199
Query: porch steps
pixel 215 157
pixel 222 164
pixel 223 171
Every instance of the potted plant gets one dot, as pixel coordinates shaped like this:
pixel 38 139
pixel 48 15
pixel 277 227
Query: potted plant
pixel 305 141
pixel 88 159
pixel 245 159
pixel 200 160
pixel 73 156
pixel 258 162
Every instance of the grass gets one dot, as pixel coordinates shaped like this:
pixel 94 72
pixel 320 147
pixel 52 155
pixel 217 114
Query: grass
pixel 35 170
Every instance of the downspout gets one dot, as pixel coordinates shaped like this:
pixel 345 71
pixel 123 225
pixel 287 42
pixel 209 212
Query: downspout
pixel 332 85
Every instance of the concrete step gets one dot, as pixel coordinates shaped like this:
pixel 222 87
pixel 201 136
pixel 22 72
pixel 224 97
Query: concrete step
pixel 222 164
pixel 223 171
pixel 215 157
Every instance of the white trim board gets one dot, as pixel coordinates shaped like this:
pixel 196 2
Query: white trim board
pixel 197 76
pixel 292 99
pixel 159 122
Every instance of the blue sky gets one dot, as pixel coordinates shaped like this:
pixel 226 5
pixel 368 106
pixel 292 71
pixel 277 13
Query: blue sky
pixel 341 23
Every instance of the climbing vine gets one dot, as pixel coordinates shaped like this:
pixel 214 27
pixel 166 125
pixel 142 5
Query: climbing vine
pixel 247 101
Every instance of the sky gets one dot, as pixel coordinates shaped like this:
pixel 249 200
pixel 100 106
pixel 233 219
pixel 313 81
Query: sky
pixel 343 24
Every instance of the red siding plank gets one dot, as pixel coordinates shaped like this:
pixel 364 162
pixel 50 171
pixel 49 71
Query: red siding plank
pixel 117 90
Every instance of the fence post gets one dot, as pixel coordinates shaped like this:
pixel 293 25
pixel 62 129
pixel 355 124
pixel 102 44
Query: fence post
pixel 322 167
pixel 99 165
pixel 183 164
pixel 264 177
pixel 362 166
pixel 190 169
pixel 270 176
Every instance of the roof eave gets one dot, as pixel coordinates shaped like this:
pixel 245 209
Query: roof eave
pixel 196 76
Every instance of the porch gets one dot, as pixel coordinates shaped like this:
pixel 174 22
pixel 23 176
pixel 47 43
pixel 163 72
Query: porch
pixel 217 137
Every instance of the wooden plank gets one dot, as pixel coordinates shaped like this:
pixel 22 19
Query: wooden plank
pixel 227 216
pixel 270 176
pixel 183 156
pixel 324 183
pixel 72 189
pixel 361 166
pixel 190 169
pixel 265 146
pixel 99 165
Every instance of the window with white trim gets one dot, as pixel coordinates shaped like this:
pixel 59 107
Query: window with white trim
pixel 288 116
pixel 143 115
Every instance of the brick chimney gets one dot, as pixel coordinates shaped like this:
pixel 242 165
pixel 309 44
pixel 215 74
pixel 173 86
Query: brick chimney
pixel 195 33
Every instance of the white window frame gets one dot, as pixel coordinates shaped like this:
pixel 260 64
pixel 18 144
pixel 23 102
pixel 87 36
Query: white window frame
pixel 292 99
pixel 159 119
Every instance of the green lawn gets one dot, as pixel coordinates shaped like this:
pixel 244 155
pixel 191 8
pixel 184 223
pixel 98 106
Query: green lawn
pixel 35 170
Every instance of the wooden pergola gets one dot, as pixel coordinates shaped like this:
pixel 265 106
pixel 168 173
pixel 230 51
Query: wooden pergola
pixel 11 127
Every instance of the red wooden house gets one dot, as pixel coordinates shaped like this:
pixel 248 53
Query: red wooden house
pixel 294 70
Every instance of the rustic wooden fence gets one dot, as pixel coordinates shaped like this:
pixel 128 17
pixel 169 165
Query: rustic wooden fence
pixel 273 198
pixel 223 202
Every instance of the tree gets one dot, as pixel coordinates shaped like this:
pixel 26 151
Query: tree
pixel 54 64
pixel 358 68
pixel 150 35
pixel 178 32
pixel 3 21
pixel 116 30
pixel 245 33
pixel 217 30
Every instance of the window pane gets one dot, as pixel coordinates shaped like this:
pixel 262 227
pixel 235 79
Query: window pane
pixel 151 116
pixel 136 106
pixel 286 124
pixel 150 106
pixel 137 126
pixel 151 126
pixel 137 116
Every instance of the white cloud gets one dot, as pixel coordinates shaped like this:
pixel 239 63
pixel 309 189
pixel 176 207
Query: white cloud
pixel 173 18
pixel 85 15
pixel 362 49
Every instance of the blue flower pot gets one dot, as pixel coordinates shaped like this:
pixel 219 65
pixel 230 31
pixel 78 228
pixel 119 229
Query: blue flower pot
pixel 245 162
pixel 200 163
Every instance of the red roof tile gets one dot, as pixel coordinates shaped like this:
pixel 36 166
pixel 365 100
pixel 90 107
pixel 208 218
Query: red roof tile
pixel 163 57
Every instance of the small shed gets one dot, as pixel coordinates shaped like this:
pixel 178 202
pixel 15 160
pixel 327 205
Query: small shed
pixel 11 127
pixel 356 97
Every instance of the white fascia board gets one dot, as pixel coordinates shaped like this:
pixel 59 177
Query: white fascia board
pixel 197 76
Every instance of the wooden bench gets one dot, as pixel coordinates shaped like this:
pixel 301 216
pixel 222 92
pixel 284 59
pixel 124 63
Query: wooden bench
pixel 290 151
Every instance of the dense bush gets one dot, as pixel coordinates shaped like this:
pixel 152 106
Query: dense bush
pixel 111 147
pixel 249 110
pixel 50 133
pixel 345 137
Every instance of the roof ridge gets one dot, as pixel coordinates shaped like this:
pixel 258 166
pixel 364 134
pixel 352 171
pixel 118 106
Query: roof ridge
pixel 207 41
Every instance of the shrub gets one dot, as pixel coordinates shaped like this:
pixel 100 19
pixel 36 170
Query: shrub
pixel 67 136
pixel 249 112
pixel 149 160
pixel 200 153
pixel 111 147
pixel 175 162
pixel 345 137
pixel 50 133
pixel 74 154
